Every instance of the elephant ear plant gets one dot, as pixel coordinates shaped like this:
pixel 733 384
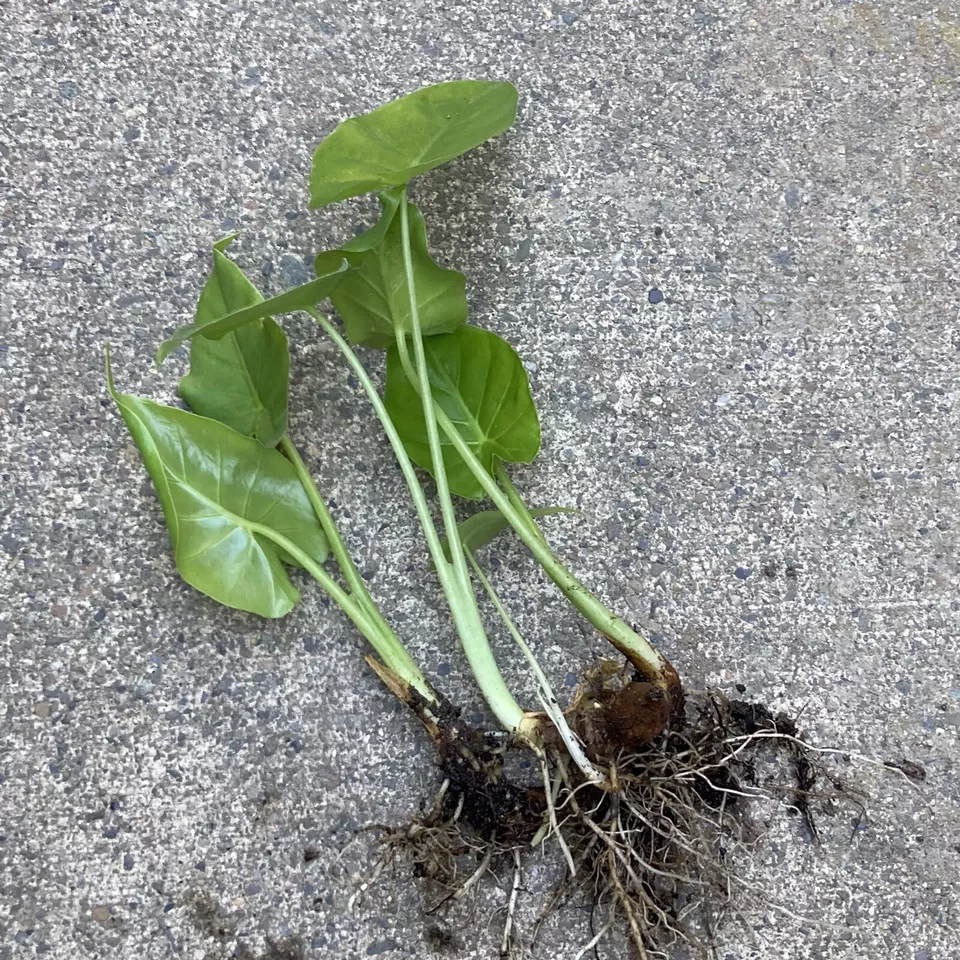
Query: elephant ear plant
pixel 634 792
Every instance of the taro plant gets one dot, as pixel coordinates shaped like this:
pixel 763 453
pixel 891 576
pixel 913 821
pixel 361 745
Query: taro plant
pixel 242 508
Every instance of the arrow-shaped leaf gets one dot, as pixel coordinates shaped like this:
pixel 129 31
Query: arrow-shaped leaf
pixel 240 379
pixel 404 138
pixel 373 299
pixel 479 382
pixel 232 506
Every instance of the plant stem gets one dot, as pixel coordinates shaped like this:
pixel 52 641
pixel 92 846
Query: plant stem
pixel 464 609
pixel 633 646
pixel 547 697
pixel 507 710
pixel 358 589
pixel 339 548
pixel 420 505
pixel 513 496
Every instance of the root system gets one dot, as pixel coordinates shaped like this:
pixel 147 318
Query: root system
pixel 654 848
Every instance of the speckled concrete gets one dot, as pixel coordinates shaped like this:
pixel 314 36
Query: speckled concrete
pixel 723 235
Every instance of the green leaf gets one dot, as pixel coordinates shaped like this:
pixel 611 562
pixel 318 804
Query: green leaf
pixel 479 382
pixel 477 531
pixel 240 379
pixel 298 298
pixel 402 139
pixel 373 299
pixel 223 495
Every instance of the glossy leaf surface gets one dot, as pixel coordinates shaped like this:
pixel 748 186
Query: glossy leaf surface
pixel 240 379
pixel 373 299
pixel 409 136
pixel 298 298
pixel 478 380
pixel 477 531
pixel 220 493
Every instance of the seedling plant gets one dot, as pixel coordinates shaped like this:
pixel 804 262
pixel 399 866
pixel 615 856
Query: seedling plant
pixel 636 784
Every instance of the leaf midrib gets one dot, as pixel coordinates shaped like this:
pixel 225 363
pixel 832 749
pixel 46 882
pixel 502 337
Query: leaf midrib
pixel 468 416
pixel 250 526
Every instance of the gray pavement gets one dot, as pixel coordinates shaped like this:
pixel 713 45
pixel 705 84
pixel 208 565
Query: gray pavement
pixel 723 235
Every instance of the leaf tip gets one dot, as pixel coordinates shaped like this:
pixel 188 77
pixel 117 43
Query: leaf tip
pixel 108 367
pixel 225 242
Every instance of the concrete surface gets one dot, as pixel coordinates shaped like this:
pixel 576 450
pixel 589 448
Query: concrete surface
pixel 723 235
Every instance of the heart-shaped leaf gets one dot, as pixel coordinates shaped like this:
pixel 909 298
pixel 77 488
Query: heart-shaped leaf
pixel 404 138
pixel 373 299
pixel 224 497
pixel 479 382
pixel 240 379
pixel 297 298
pixel 478 530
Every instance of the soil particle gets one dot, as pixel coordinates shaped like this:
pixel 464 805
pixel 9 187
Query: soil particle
pixel 439 938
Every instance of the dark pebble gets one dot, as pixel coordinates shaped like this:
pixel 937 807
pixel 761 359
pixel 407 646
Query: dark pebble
pixel 381 946
pixel 741 573
pixel 655 296
pixel 294 272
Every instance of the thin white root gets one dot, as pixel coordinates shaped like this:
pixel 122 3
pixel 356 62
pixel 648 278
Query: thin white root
pixel 549 792
pixel 507 938
pixel 476 876
pixel 570 740
pixel 363 887
pixel 604 930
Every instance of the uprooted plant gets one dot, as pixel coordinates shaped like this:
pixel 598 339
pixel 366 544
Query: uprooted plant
pixel 637 785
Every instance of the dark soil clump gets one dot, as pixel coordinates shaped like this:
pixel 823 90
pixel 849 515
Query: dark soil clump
pixel 472 761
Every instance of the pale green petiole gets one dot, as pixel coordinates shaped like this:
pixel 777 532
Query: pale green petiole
pixel 462 606
pixel 548 699
pixel 383 640
pixel 455 576
pixel 380 634
pixel 349 569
